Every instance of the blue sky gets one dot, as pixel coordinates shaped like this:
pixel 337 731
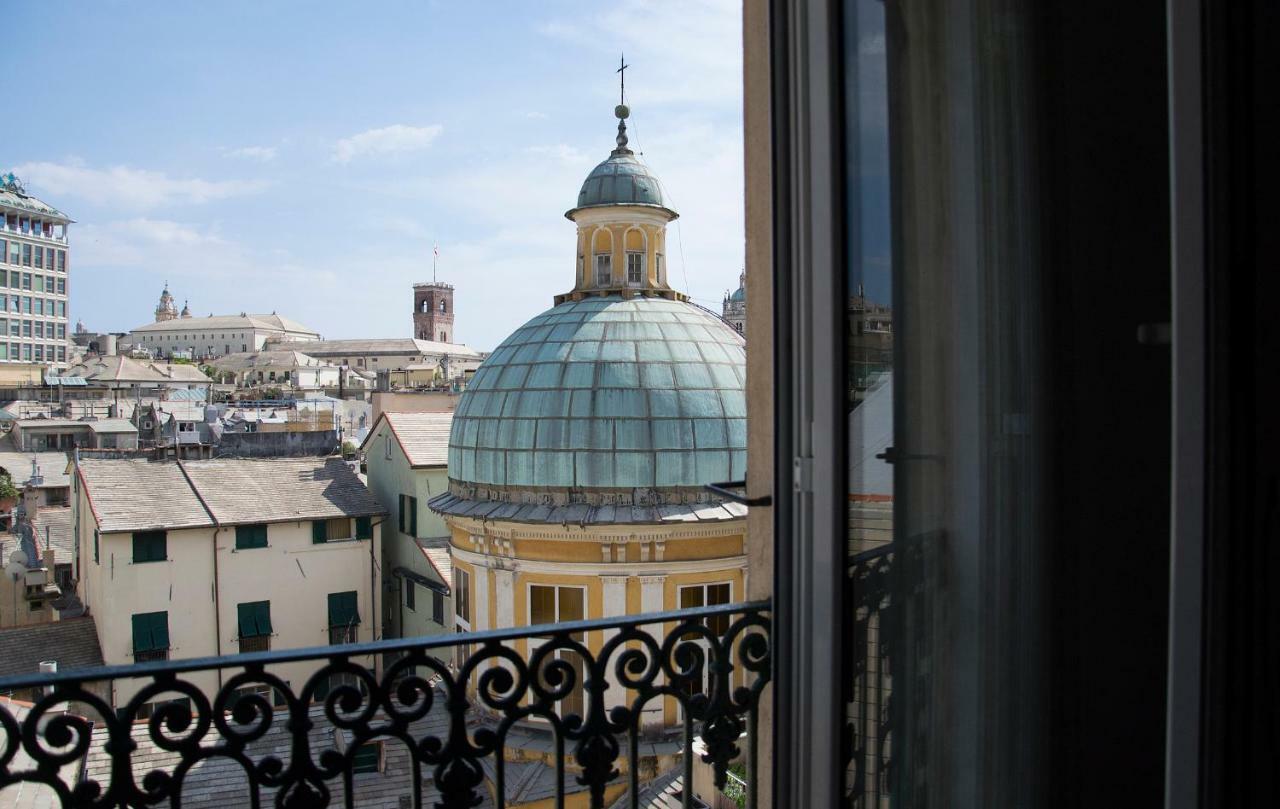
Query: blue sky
pixel 304 157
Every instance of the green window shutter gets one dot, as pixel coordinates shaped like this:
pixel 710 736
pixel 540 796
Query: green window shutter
pixel 401 513
pixel 254 618
pixel 150 631
pixel 413 516
pixel 251 536
pixel 95 545
pixel 365 759
pixel 364 528
pixel 149 546
pixel 318 535
pixel 342 609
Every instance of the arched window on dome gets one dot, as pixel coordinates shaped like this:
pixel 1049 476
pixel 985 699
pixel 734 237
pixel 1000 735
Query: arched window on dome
pixel 602 247
pixel 635 244
pixel 658 268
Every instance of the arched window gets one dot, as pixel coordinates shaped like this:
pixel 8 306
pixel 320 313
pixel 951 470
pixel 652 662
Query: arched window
pixel 602 246
pixel 444 306
pixel 635 244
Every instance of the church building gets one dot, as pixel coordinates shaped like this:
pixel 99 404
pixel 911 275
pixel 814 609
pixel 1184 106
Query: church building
pixel 579 453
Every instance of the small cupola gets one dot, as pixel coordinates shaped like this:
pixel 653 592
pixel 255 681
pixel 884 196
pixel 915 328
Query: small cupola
pixel 622 221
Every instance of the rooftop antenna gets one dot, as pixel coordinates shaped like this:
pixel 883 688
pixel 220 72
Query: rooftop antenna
pixel 435 257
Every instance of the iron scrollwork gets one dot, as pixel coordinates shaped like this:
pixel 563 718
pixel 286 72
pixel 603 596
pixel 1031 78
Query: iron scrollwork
pixel 446 719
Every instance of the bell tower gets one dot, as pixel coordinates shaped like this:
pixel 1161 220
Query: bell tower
pixel 433 311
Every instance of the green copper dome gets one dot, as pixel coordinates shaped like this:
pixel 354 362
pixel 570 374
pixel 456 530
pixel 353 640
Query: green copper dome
pixel 606 393
pixel 620 180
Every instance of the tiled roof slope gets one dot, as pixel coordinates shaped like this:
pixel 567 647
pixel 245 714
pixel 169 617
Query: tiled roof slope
pixel 72 642
pixel 248 490
pixel 52 525
pixel 424 437
pixel 139 495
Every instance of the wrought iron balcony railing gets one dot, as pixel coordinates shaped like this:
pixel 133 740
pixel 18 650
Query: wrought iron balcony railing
pixel 488 729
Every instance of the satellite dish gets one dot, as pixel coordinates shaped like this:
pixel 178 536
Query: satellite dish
pixel 17 567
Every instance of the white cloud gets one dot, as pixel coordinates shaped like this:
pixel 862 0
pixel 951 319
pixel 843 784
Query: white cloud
pixel 536 115
pixel 264 154
pixel 129 188
pixel 388 140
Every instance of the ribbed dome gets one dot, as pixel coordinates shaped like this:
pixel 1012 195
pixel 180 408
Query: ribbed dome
pixel 606 393
pixel 620 180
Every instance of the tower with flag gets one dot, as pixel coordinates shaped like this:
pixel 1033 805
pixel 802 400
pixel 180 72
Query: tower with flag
pixel 433 306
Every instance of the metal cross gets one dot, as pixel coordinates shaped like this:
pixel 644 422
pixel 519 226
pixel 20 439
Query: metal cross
pixel 621 71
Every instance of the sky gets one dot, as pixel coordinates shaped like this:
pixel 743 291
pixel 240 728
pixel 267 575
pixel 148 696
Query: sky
pixel 304 157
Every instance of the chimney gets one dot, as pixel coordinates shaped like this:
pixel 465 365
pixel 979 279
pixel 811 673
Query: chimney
pixel 48 667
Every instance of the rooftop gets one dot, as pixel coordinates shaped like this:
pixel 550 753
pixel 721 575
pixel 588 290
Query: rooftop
pixel 72 642
pixel 271 322
pixel 240 361
pixel 138 495
pixel 389 345
pixel 52 526
pixel 253 490
pixel 13 195
pixel 119 368
pixel 424 437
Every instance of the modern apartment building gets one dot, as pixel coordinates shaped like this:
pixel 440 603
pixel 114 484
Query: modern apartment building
pixel 33 277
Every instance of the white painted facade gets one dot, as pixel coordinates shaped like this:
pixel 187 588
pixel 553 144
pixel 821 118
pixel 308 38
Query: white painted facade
pixel 203 580
pixel 391 477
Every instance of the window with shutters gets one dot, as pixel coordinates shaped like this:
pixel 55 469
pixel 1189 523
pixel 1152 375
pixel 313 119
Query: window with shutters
pixel 251 536
pixel 344 619
pixel 408 515
pixel 410 599
pixel 330 530
pixel 254 619
pixel 149 546
pixel 150 636
pixel 437 607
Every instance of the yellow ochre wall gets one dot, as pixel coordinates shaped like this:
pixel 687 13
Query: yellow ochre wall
pixel 570 556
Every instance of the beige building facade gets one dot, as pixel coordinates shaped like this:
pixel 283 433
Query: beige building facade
pixel 202 558
pixel 406 455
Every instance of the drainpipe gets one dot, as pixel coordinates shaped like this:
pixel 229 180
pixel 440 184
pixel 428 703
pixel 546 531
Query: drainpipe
pixel 217 591
pixel 373 591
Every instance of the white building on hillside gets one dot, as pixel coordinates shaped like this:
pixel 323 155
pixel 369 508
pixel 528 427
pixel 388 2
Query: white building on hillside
pixel 215 335
pixel 216 557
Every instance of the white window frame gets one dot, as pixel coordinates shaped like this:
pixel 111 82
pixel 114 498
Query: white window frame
pixel 604 261
pixel 636 259
pixel 702 642
pixel 579 695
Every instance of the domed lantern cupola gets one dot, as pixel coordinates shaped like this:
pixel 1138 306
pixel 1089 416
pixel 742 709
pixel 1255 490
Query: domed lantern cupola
pixel 622 227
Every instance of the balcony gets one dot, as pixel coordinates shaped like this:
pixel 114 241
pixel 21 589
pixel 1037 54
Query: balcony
pixel 489 728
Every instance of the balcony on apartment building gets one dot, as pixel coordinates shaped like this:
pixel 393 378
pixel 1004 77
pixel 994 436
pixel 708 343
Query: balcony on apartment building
pixel 492 727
